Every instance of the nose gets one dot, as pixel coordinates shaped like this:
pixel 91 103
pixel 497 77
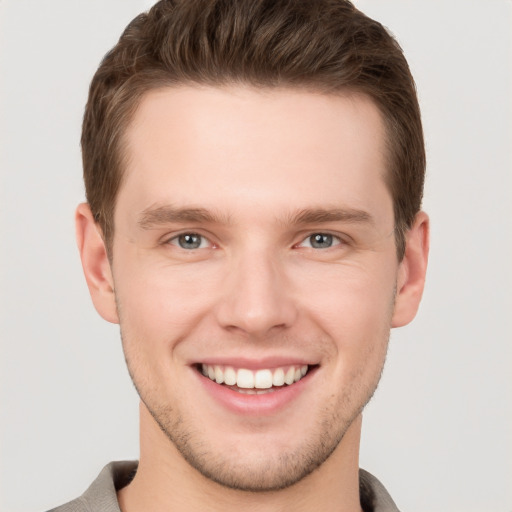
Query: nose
pixel 257 299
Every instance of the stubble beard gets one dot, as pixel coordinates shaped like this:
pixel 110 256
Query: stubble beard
pixel 259 476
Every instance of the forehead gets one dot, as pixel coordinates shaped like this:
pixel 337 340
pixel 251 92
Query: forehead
pixel 265 146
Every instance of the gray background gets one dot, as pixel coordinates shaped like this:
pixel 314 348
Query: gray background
pixel 438 432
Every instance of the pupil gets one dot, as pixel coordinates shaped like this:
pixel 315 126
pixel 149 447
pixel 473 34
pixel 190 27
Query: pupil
pixel 189 241
pixel 321 241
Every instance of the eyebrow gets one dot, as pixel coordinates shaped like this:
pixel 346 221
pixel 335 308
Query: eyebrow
pixel 156 216
pixel 167 214
pixel 322 215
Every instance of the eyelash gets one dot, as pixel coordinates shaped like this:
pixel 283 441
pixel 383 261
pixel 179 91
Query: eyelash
pixel 334 239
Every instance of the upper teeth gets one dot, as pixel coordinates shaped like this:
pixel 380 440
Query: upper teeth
pixel 249 379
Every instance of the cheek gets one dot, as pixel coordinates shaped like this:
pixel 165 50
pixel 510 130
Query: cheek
pixel 350 296
pixel 353 307
pixel 159 304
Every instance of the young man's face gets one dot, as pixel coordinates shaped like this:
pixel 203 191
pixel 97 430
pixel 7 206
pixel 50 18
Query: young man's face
pixel 254 239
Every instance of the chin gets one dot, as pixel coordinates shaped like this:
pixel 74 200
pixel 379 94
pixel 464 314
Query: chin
pixel 255 461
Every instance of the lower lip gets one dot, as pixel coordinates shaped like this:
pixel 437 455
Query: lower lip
pixel 257 405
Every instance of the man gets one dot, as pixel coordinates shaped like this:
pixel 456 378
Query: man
pixel 254 174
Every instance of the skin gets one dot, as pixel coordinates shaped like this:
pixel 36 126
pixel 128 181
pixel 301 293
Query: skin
pixel 268 169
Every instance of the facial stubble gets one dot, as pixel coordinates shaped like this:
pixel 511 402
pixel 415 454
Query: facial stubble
pixel 284 469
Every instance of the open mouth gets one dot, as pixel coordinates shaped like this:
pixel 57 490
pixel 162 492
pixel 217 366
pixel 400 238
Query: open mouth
pixel 255 382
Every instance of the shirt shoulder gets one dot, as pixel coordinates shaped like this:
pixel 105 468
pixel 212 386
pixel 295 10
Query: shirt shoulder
pixel 101 496
pixel 373 495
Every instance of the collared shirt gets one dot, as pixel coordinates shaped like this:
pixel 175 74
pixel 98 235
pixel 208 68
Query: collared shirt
pixel 101 495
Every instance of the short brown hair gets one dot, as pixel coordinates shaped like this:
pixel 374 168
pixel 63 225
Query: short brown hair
pixel 324 45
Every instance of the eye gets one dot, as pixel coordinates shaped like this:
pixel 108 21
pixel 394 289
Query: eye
pixel 320 241
pixel 190 241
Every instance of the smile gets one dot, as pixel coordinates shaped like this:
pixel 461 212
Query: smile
pixel 254 382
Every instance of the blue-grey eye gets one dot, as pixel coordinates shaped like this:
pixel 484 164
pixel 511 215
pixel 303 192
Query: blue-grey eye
pixel 321 241
pixel 190 241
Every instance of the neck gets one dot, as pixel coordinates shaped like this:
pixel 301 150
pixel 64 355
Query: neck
pixel 165 481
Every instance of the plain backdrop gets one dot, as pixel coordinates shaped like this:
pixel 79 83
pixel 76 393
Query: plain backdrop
pixel 439 430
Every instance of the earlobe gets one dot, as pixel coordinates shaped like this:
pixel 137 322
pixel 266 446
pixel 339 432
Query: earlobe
pixel 95 263
pixel 412 271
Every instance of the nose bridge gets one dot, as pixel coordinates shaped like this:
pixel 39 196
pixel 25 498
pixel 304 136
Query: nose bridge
pixel 257 298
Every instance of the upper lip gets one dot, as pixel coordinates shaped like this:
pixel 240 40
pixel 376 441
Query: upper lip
pixel 256 363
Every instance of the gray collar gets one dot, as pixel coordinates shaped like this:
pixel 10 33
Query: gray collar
pixel 101 495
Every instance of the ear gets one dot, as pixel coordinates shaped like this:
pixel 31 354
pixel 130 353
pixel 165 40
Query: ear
pixel 95 263
pixel 411 272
